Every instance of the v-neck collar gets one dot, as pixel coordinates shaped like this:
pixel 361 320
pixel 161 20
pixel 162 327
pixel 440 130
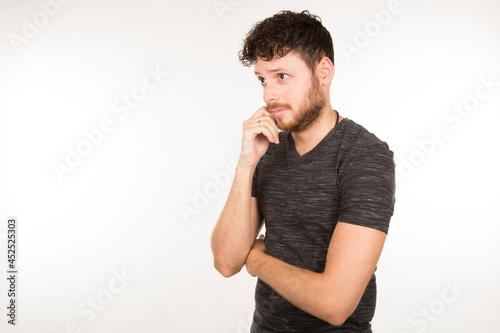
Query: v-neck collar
pixel 310 155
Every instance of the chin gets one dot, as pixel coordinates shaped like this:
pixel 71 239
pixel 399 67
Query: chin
pixel 285 125
pixel 282 126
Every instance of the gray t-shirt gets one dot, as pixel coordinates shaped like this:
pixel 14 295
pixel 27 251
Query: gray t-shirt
pixel 350 177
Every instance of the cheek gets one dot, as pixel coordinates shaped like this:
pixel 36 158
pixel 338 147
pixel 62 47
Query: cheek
pixel 296 96
pixel 289 95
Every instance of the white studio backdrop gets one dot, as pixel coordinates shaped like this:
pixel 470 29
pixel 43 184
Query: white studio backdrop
pixel 120 126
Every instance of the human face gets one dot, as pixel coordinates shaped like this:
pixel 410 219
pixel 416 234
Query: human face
pixel 292 93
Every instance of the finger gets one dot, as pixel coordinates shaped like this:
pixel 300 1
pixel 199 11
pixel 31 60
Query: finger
pixel 261 112
pixel 266 121
pixel 271 121
pixel 271 128
pixel 267 132
pixel 262 129
pixel 271 117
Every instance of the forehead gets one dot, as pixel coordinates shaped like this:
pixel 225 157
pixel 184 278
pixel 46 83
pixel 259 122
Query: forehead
pixel 290 62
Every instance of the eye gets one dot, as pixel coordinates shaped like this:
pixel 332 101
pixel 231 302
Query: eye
pixel 283 76
pixel 262 80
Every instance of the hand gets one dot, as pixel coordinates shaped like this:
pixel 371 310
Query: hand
pixel 258 248
pixel 256 137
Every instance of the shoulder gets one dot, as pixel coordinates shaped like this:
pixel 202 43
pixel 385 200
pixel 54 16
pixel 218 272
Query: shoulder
pixel 358 142
pixel 366 179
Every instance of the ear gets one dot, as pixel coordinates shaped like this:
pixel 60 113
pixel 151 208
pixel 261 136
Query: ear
pixel 325 70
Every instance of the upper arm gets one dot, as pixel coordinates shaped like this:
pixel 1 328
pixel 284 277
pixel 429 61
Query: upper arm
pixel 256 217
pixel 367 196
pixel 352 257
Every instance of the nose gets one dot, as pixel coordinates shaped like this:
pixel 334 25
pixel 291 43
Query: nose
pixel 270 94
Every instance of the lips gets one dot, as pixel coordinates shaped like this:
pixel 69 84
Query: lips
pixel 277 112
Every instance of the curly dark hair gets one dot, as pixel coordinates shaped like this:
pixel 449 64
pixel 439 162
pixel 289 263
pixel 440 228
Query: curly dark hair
pixel 285 32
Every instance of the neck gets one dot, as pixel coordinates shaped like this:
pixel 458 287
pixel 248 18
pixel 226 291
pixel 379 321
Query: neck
pixel 308 139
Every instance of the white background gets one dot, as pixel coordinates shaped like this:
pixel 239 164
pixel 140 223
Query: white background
pixel 120 209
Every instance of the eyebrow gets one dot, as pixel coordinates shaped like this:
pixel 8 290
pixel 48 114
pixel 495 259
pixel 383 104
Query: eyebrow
pixel 274 70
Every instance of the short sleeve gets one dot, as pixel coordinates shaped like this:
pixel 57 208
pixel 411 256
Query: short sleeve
pixel 367 188
pixel 255 180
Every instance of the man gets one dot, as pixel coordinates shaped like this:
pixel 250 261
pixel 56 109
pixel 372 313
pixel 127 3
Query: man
pixel 323 184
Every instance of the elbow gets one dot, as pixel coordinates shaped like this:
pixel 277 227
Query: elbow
pixel 336 320
pixel 225 262
pixel 226 270
pixel 338 314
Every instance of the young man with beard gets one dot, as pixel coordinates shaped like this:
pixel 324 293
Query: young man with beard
pixel 323 185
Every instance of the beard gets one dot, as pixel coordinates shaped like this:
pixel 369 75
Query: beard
pixel 310 109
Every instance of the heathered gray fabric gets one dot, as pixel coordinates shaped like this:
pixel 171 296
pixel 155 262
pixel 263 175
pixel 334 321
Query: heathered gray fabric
pixel 350 177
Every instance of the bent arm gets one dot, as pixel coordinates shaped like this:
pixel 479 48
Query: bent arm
pixel 334 294
pixel 238 224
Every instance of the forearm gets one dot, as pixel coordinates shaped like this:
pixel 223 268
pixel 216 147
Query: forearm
pixel 307 290
pixel 233 236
